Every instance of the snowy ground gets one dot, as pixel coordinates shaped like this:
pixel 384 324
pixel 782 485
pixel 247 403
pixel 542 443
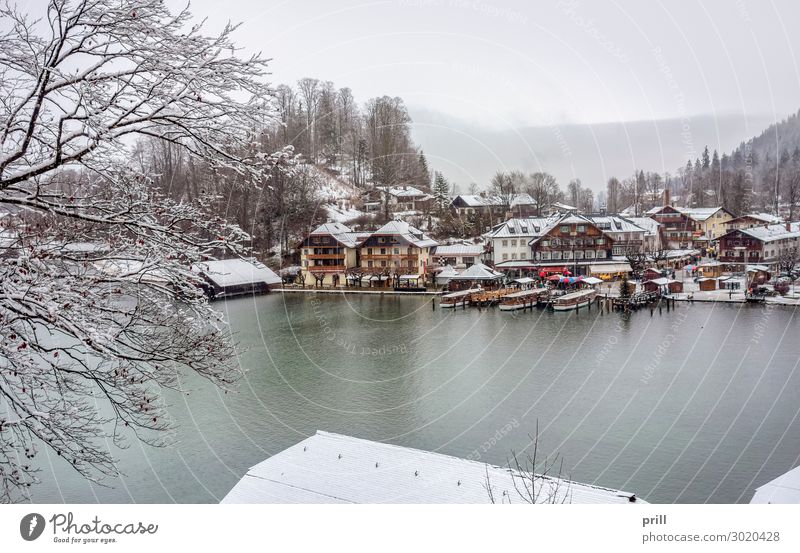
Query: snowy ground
pixel 341 212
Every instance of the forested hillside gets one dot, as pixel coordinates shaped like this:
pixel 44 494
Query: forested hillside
pixel 330 148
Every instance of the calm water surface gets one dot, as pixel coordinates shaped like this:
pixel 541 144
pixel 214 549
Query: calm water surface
pixel 696 405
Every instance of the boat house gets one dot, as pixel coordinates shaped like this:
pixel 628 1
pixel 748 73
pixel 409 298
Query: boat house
pixel 236 277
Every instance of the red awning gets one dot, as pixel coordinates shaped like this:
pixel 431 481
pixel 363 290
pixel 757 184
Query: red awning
pixel 548 270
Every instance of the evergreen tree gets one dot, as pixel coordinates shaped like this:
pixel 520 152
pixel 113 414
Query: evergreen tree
pixel 441 190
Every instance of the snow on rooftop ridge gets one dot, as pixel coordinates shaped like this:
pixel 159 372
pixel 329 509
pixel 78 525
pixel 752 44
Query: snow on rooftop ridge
pixel 333 468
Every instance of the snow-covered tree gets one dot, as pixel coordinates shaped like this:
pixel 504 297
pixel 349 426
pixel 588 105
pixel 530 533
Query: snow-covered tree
pixel 97 297
pixel 441 192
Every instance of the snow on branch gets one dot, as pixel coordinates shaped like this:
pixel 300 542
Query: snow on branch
pixel 97 296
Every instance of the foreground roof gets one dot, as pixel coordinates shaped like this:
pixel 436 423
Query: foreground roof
pixel 332 468
pixel 784 489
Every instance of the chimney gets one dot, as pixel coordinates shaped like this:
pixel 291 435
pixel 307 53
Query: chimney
pixel 666 196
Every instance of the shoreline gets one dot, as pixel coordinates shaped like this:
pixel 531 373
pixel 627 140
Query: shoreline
pixel 356 291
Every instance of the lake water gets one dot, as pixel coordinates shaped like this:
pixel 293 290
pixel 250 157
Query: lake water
pixel 696 405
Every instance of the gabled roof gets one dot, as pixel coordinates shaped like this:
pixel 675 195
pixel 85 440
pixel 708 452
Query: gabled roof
pixel 528 227
pixel 340 232
pixel 649 224
pixel 479 271
pixel 612 223
pixel 696 213
pixel 568 218
pixel 701 213
pixel 410 234
pixel 332 468
pixel 771 233
pixel 764 217
pixel 446 271
pixel 404 191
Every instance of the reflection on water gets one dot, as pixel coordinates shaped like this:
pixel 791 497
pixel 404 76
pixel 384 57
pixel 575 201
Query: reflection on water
pixel 692 405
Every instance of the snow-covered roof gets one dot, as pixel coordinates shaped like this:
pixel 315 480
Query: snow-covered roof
pixel 765 217
pixel 771 233
pixel 331 228
pixel 446 272
pixel 566 207
pixel 672 254
pixel 409 233
pixel 403 191
pixel 783 489
pixel 573 219
pixel 332 468
pixel 236 272
pixel 340 232
pixel 663 281
pixel 696 213
pixel 479 271
pixel 528 227
pixel 649 224
pixel 699 213
pixel 476 200
pixel 611 223
pixel 459 249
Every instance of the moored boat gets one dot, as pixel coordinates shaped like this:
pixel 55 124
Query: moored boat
pixel 457 299
pixel 574 300
pixel 521 299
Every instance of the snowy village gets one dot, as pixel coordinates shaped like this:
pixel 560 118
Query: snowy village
pixel 226 282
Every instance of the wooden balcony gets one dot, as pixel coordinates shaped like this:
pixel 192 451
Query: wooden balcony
pixel 325 268
pixel 325 256
pixel 389 257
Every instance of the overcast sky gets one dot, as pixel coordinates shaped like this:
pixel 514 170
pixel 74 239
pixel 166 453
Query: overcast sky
pixel 502 65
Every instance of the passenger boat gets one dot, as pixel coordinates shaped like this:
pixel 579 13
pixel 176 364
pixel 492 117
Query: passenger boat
pixel 457 299
pixel 574 300
pixel 521 299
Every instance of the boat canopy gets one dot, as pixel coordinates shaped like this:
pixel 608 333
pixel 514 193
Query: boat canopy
pixel 574 295
pixel 461 293
pixel 525 293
